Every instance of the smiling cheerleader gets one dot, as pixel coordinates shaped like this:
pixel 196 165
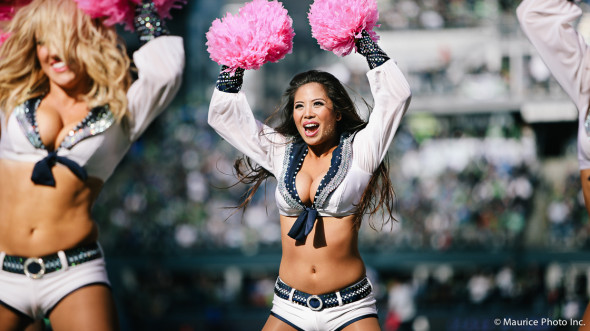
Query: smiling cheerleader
pixel 329 163
pixel 68 113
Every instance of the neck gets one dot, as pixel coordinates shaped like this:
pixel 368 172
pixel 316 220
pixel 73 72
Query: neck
pixel 319 151
pixel 67 97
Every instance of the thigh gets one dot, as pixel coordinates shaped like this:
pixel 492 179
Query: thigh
pixel 275 324
pixel 586 320
pixel 10 320
pixel 90 308
pixel 365 324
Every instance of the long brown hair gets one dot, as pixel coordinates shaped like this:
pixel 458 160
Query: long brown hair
pixel 379 192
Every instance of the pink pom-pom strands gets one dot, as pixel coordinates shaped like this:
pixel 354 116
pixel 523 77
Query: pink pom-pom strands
pixel 165 6
pixel 123 11
pixel 113 11
pixel 3 37
pixel 7 11
pixel 335 24
pixel 261 32
pixel 8 8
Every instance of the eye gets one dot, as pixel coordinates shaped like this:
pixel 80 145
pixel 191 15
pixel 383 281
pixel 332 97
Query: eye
pixel 318 103
pixel 298 106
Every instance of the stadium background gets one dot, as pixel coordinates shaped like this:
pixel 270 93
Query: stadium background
pixel 491 222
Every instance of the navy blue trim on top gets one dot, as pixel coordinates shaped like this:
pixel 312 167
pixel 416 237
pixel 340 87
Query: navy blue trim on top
pixel 339 165
pixel 97 121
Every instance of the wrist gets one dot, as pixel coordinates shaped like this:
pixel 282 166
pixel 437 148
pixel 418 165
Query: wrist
pixel 148 23
pixel 230 81
pixel 370 50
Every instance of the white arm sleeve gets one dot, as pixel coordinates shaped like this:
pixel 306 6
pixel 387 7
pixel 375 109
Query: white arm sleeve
pixel 548 25
pixel 160 64
pixel 391 94
pixel 231 116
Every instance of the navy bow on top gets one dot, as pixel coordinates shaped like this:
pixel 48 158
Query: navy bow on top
pixel 42 174
pixel 304 224
pixel 97 121
pixel 308 216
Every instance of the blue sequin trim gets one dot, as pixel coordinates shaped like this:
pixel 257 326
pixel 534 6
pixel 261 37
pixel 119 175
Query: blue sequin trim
pixel 341 160
pixel 288 191
pixel 25 115
pixel 295 153
pixel 98 120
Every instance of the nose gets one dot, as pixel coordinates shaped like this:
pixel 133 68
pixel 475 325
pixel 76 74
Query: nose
pixel 308 112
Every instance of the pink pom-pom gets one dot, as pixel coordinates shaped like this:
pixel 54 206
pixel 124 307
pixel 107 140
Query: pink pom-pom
pixel 8 8
pixel 261 32
pixel 335 24
pixel 165 6
pixel 123 11
pixel 6 12
pixel 113 11
pixel 3 37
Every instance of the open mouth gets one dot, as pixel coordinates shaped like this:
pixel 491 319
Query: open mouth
pixel 59 66
pixel 311 129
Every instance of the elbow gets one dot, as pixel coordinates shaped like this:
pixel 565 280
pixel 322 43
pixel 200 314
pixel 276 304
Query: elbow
pixel 407 96
pixel 526 14
pixel 407 102
pixel 521 13
pixel 167 81
pixel 211 119
pixel 404 94
pixel 173 74
pixel 161 61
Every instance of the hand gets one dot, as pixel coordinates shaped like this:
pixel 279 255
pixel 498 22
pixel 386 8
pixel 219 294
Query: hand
pixel 148 23
pixel 228 81
pixel 370 50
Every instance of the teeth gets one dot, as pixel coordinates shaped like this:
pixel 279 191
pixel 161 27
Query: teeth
pixel 58 65
pixel 307 126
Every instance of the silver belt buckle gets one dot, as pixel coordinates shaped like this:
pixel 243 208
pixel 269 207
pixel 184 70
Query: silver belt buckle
pixel 34 260
pixel 312 297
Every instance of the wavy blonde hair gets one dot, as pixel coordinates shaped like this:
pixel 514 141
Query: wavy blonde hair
pixel 84 44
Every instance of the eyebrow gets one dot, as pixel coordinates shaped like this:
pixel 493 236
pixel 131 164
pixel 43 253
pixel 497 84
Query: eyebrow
pixel 316 99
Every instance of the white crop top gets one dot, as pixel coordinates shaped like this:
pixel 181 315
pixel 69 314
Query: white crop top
pixel 359 154
pixel 99 143
pixel 548 25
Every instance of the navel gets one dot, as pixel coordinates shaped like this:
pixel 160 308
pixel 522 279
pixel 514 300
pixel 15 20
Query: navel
pixel 313 269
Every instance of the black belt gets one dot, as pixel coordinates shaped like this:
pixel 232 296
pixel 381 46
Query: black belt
pixel 349 294
pixel 36 267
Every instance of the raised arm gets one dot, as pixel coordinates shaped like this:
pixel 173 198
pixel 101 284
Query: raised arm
pixel 391 94
pixel 232 118
pixel 548 25
pixel 160 63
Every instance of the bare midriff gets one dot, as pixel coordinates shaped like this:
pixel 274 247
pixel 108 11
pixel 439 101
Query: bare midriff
pixel 327 261
pixel 37 220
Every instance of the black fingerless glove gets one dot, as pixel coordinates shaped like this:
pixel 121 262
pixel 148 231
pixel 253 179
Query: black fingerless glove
pixel 148 22
pixel 228 83
pixel 370 50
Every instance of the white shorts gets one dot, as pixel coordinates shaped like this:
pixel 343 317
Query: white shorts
pixel 36 298
pixel 334 318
